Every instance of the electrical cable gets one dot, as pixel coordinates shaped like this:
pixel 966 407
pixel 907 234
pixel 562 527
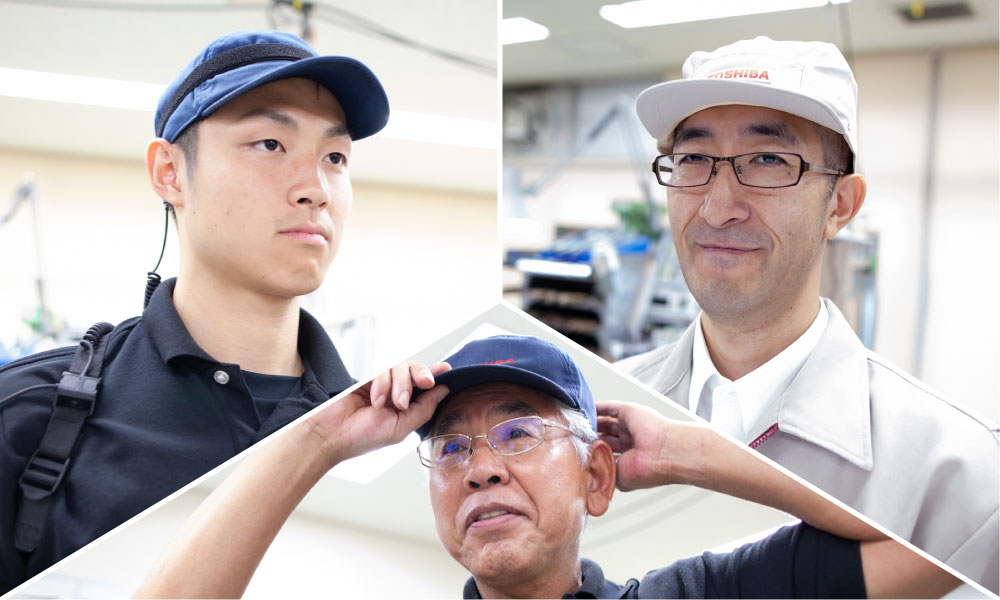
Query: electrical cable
pixel 152 277
pixel 330 14
pixel 346 18
pixel 26 390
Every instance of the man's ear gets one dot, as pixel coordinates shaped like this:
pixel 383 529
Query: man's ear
pixel 163 163
pixel 848 196
pixel 601 473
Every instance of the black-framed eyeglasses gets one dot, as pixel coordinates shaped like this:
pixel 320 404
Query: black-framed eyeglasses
pixel 753 169
pixel 514 436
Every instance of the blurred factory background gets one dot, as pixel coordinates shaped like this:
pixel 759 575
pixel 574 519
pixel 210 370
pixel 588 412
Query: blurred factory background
pixel 81 225
pixel 586 245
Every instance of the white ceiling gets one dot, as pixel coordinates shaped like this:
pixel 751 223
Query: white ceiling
pixel 147 45
pixel 583 46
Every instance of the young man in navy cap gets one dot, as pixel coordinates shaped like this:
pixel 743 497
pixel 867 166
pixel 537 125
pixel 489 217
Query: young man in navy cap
pixel 759 145
pixel 252 155
pixel 512 508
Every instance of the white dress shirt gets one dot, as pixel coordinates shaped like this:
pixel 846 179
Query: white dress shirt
pixel 735 406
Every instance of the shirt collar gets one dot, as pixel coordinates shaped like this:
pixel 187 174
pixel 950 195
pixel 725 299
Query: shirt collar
pixel 172 340
pixel 594 584
pixel 758 389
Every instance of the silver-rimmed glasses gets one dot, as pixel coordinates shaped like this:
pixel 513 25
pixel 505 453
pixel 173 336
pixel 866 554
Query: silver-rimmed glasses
pixel 510 437
pixel 753 169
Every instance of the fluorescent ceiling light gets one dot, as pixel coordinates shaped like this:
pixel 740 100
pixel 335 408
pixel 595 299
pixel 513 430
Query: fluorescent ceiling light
pixel 438 129
pixel 518 29
pixel 135 95
pixel 365 468
pixel 77 89
pixel 646 13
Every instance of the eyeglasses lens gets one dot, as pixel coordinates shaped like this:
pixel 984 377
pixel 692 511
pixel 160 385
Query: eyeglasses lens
pixel 517 435
pixel 758 169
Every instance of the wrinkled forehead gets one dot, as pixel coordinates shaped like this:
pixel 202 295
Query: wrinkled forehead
pixel 493 402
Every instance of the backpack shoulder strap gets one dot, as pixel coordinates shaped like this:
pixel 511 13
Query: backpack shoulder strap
pixel 74 402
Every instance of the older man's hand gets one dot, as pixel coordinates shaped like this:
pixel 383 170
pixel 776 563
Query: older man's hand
pixel 380 413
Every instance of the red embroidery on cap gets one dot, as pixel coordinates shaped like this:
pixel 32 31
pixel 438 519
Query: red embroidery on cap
pixel 497 362
pixel 740 74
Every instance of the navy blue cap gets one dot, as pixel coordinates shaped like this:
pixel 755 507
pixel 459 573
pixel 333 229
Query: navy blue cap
pixel 241 61
pixel 524 360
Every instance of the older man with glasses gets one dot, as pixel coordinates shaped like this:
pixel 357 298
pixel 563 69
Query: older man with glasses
pixel 759 150
pixel 519 456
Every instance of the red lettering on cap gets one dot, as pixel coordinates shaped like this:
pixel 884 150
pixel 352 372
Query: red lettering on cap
pixel 739 74
pixel 498 362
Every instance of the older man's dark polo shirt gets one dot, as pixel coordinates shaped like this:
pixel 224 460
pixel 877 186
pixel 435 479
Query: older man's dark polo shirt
pixel 794 562
pixel 166 414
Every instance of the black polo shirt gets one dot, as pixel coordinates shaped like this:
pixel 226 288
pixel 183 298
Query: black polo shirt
pixel 166 414
pixel 793 562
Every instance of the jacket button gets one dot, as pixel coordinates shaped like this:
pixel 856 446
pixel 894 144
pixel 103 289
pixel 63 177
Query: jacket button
pixel 221 377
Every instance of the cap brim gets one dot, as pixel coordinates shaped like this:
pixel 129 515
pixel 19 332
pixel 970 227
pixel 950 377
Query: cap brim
pixel 662 107
pixel 359 92
pixel 462 378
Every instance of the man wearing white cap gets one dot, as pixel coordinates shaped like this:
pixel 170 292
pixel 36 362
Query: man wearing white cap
pixel 758 145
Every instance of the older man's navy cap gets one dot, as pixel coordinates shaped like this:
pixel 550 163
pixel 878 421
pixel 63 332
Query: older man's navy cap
pixel 523 360
pixel 238 62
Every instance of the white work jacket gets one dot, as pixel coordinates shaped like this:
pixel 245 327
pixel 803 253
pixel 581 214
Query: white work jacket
pixel 877 439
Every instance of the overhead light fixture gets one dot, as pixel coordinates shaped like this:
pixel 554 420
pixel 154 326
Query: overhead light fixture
pixel 136 95
pixel 79 89
pixel 519 29
pixel 439 129
pixel 647 13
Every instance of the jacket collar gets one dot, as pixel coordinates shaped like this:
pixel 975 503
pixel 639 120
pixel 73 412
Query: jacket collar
pixel 828 401
pixel 826 404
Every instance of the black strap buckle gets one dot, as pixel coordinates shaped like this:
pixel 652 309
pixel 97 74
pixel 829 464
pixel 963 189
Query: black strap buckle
pixel 42 476
pixel 77 391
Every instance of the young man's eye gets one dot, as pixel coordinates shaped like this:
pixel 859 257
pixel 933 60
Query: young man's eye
pixel 336 158
pixel 269 145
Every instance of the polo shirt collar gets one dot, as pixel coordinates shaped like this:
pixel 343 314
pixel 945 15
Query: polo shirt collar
pixel 594 584
pixel 170 337
pixel 172 340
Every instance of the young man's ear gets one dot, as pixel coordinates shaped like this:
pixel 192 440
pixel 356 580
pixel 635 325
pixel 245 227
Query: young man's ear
pixel 848 196
pixel 601 478
pixel 163 163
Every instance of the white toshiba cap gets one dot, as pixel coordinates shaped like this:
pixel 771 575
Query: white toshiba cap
pixel 808 79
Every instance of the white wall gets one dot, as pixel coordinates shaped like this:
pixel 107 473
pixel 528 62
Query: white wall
pixel 960 355
pixel 415 261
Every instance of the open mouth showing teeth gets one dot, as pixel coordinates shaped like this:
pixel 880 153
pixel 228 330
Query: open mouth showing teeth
pixel 491 514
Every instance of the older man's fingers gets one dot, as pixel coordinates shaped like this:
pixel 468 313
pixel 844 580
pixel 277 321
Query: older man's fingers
pixel 422 407
pixel 402 385
pixel 380 387
pixel 420 375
